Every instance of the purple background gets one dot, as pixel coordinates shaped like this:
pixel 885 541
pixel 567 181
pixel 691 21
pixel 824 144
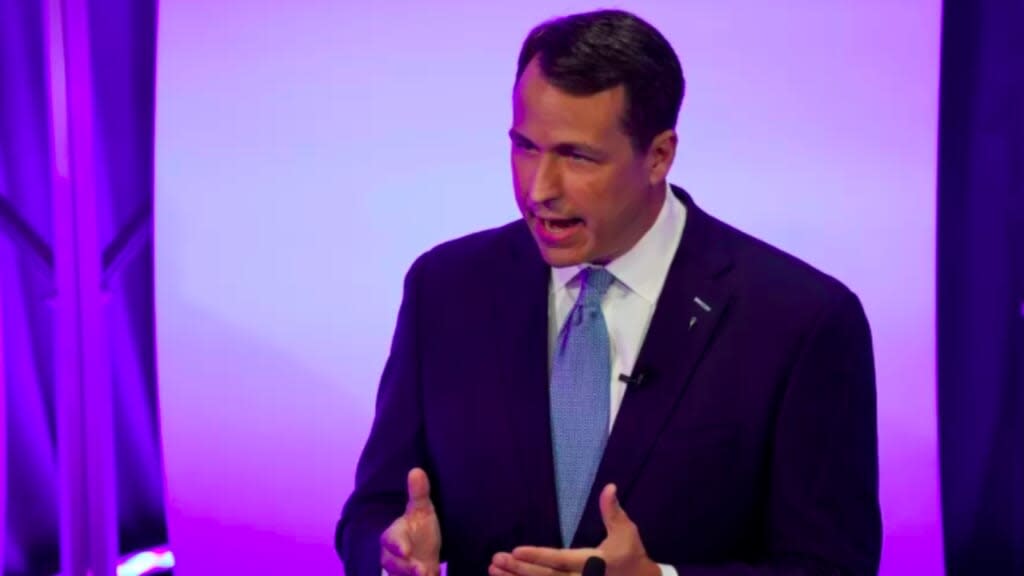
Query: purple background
pixel 307 152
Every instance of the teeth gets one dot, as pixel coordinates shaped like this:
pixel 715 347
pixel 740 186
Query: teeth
pixel 551 226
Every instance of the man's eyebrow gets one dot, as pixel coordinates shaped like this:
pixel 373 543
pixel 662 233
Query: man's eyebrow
pixel 516 136
pixel 577 148
pixel 561 147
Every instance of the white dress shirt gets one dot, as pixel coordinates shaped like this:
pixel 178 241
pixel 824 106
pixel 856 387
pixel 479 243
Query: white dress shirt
pixel 629 303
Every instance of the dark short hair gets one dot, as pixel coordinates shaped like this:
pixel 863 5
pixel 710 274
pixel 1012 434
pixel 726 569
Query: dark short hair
pixel 587 53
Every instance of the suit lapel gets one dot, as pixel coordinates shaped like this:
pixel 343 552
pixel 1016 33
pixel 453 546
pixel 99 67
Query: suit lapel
pixel 521 315
pixel 680 331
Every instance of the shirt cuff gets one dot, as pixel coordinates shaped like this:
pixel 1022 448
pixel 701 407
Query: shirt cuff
pixel 667 570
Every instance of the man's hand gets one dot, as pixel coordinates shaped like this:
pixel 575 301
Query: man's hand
pixel 622 550
pixel 411 546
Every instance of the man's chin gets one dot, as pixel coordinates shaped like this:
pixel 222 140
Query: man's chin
pixel 562 257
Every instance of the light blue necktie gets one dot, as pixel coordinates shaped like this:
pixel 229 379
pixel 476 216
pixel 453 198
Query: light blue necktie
pixel 580 398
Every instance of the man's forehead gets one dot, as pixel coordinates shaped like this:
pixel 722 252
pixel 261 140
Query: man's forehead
pixel 535 88
pixel 541 107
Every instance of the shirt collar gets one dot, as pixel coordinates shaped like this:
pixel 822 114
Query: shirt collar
pixel 644 267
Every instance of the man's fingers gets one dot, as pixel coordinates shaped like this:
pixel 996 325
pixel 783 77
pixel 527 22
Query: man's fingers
pixel 495 570
pixel 420 569
pixel 558 559
pixel 505 564
pixel 395 565
pixel 419 490
pixel 396 540
pixel 611 512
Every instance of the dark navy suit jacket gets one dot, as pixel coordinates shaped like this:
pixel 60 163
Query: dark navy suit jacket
pixel 748 448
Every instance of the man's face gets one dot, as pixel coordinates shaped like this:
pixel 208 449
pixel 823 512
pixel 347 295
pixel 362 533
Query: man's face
pixel 584 191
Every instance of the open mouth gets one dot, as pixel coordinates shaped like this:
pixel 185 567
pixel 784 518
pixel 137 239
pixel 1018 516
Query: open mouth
pixel 560 225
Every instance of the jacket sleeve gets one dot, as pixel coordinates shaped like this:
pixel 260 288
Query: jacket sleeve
pixel 395 445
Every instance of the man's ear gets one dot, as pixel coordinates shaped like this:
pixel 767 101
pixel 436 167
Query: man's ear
pixel 660 155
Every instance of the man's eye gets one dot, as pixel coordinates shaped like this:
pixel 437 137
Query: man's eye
pixel 520 145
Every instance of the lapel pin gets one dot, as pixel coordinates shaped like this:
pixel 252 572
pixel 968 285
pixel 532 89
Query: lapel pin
pixel 702 304
pixel 693 320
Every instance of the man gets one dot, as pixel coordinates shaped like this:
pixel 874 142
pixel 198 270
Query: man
pixel 617 374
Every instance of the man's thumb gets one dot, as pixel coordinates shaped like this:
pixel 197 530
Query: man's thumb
pixel 419 489
pixel 611 512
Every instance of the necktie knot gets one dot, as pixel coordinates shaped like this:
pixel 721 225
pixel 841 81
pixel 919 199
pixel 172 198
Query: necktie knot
pixel 595 284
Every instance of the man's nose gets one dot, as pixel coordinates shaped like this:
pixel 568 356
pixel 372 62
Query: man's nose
pixel 547 181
